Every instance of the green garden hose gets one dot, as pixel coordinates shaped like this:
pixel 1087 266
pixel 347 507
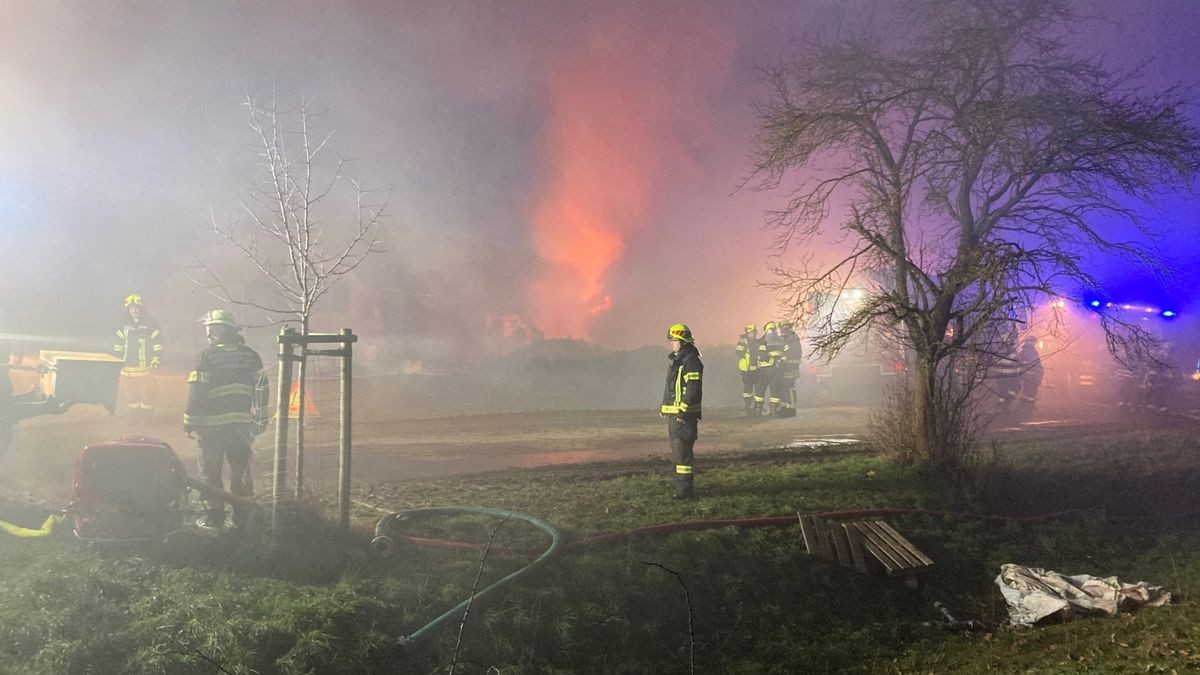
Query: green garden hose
pixel 382 545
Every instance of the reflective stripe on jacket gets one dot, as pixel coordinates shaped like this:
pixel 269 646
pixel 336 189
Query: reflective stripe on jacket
pixel 684 387
pixel 770 350
pixel 227 388
pixel 139 344
pixel 747 351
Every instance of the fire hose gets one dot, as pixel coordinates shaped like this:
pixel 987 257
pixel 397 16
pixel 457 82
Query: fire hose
pixel 383 543
pixel 45 530
pixel 211 492
pixel 54 519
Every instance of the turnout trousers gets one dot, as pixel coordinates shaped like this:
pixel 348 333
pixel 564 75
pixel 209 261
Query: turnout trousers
pixel 216 446
pixel 768 381
pixel 749 382
pixel 683 442
pixel 786 384
pixel 140 387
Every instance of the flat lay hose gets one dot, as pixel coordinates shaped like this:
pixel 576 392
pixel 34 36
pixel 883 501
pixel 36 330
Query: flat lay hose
pixel 760 521
pixel 46 529
pixel 383 543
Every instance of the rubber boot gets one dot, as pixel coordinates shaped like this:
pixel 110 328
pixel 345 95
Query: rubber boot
pixel 685 487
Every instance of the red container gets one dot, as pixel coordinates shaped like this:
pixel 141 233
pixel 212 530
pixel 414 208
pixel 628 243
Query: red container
pixel 132 488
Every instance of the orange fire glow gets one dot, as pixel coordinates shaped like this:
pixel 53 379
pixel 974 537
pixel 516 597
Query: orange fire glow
pixel 616 111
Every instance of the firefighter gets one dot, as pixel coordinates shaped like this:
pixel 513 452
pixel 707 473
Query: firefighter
pixel 1005 382
pixel 789 370
pixel 747 353
pixel 1017 378
pixel 762 376
pixel 140 345
pixel 1032 373
pixel 1160 379
pixel 226 408
pixel 681 406
pixel 1147 384
pixel 1128 384
pixel 770 362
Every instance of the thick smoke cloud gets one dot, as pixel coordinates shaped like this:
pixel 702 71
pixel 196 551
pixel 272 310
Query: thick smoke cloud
pixel 565 167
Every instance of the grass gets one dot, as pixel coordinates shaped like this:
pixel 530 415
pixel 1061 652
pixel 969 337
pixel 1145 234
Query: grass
pixel 314 602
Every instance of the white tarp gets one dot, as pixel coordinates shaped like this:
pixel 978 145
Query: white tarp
pixel 1033 594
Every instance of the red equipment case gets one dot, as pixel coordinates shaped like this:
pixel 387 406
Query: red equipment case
pixel 128 489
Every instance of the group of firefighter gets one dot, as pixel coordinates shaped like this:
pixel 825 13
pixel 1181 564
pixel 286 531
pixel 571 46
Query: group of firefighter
pixel 227 397
pixel 227 403
pixel 1158 385
pixel 769 365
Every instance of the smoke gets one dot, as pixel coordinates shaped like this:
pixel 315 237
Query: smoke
pixel 623 108
pixel 568 163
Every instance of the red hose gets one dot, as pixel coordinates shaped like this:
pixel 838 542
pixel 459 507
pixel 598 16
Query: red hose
pixel 762 521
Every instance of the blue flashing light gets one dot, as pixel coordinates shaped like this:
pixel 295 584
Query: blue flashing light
pixel 1168 313
pixel 1094 303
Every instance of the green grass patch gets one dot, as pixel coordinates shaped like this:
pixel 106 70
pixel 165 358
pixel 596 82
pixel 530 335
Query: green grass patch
pixel 310 600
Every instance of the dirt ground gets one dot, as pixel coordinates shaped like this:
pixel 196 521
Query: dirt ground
pixel 40 464
pixel 391 445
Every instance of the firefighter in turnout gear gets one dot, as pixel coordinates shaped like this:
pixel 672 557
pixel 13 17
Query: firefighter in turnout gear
pixel 139 344
pixel 747 353
pixel 681 406
pixel 1017 380
pixel 226 407
pixel 1033 372
pixel 770 365
pixel 763 373
pixel 789 370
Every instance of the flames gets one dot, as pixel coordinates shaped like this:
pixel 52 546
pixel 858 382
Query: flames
pixel 619 110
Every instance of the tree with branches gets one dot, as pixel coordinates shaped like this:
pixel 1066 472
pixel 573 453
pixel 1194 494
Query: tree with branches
pixel 976 165
pixel 304 225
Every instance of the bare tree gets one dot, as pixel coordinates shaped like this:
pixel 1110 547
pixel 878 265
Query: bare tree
pixel 974 160
pixel 304 224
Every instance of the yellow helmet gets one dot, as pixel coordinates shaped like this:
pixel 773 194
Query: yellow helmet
pixel 770 325
pixel 220 317
pixel 133 299
pixel 785 324
pixel 680 332
pixel 750 328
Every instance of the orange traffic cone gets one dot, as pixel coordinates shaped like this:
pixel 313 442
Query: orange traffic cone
pixel 310 407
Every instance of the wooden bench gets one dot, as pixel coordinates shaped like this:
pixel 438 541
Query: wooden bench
pixel 846 541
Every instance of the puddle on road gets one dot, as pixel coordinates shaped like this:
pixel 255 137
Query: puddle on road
pixel 814 442
pixel 1037 424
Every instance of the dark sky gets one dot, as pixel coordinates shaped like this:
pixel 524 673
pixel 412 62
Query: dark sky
pixel 571 164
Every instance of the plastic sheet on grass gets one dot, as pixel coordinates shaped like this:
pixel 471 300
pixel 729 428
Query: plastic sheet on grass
pixel 1033 594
